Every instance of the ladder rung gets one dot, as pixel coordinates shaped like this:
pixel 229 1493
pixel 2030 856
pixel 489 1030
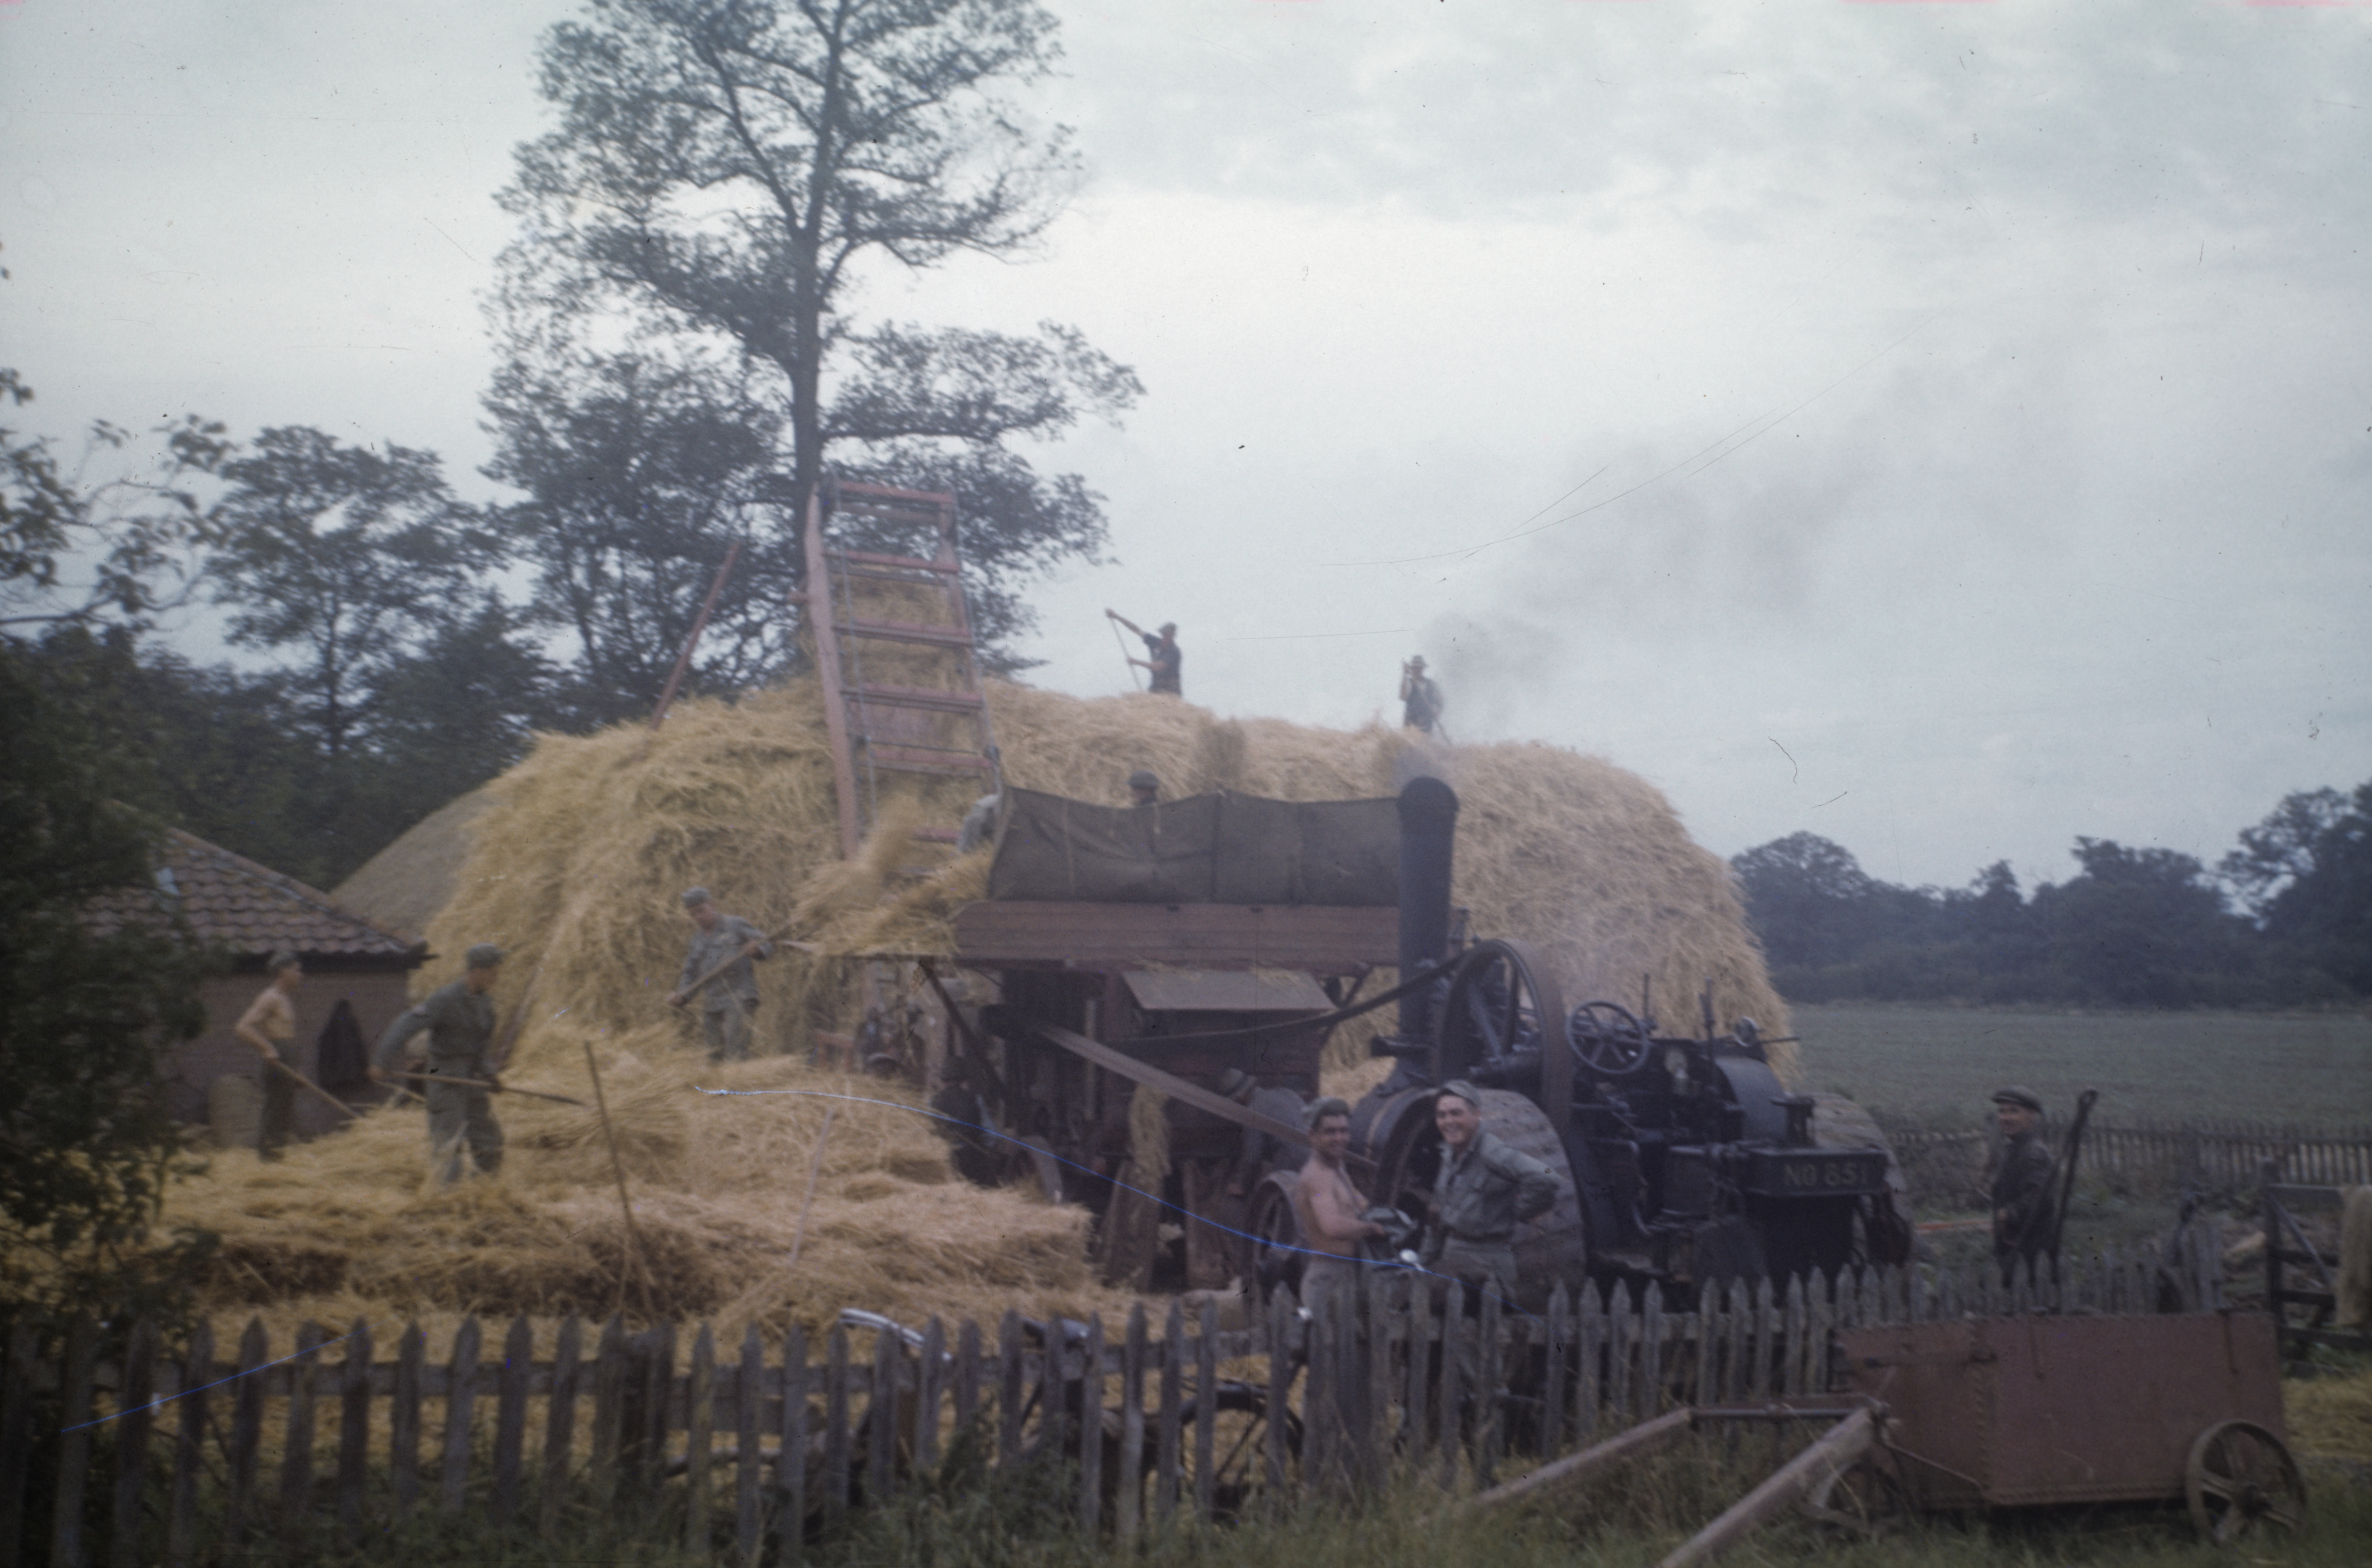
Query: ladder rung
pixel 900 563
pixel 916 697
pixel 908 632
pixel 892 493
pixel 926 759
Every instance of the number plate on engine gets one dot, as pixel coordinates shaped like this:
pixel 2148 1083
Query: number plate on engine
pixel 1813 1173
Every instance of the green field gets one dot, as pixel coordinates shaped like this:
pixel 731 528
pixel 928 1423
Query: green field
pixel 1922 1063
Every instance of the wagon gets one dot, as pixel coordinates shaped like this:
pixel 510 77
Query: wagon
pixel 2010 1411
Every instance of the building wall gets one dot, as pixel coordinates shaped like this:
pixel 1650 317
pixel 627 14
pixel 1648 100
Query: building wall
pixel 375 996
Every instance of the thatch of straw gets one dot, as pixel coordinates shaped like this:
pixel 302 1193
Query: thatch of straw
pixel 576 867
pixel 403 885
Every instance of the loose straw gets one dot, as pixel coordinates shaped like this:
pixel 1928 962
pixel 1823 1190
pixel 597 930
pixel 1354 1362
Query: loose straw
pixel 815 1168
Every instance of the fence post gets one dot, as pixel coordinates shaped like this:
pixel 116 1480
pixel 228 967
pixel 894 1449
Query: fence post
pixel 353 1430
pixel 1280 1386
pixel 610 1376
pixel 1166 1450
pixel 881 1420
pixel 1650 1397
pixel 699 1433
pixel 748 1400
pixel 75 1398
pixel 297 1453
pixel 510 1419
pixel 1375 1428
pixel 560 1423
pixel 1091 1429
pixel 189 1454
pixel 1588 1365
pixel 1206 1411
pixel 135 1402
pixel 791 1470
pixel 460 1407
pixel 1486 1391
pixel 1128 1498
pixel 246 1434
pixel 1617 1356
pixel 1420 1365
pixel 1008 1389
pixel 1453 1324
pixel 404 1420
pixel 835 1426
pixel 967 1386
pixel 929 1376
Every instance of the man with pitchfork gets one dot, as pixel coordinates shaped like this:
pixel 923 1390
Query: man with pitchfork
pixel 717 968
pixel 460 1022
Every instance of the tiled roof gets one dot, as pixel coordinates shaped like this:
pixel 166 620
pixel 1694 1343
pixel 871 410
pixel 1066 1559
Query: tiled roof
pixel 230 902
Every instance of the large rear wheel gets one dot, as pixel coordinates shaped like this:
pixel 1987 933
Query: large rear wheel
pixel 1276 1234
pixel 1883 1231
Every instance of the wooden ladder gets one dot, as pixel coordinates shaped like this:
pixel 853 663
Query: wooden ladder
pixel 881 728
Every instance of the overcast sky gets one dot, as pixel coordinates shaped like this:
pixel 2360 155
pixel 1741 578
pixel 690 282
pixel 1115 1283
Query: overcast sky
pixel 1947 428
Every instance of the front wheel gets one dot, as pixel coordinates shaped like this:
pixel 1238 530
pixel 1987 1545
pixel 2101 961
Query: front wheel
pixel 1275 1230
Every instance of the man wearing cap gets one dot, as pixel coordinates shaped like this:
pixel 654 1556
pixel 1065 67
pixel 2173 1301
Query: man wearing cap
pixel 1420 697
pixel 730 996
pixel 460 1022
pixel 1482 1191
pixel 1144 787
pixel 270 1025
pixel 1163 661
pixel 2025 1186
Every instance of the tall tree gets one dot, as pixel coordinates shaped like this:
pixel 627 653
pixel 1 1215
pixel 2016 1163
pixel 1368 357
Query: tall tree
pixel 117 548
pixel 2325 913
pixel 349 555
pixel 1807 899
pixel 727 169
pixel 2280 851
pixel 2144 926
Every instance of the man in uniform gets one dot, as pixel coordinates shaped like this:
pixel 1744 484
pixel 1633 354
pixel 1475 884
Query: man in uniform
pixel 1482 1191
pixel 731 997
pixel 2025 1188
pixel 460 1022
pixel 1144 787
pixel 270 1025
pixel 1329 1208
pixel 1164 661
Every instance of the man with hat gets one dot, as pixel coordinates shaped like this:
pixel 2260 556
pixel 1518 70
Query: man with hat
pixel 1482 1191
pixel 2025 1186
pixel 1420 697
pixel 730 993
pixel 460 1022
pixel 1144 787
pixel 1165 661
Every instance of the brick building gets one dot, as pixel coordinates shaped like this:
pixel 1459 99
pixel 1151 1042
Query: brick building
pixel 356 980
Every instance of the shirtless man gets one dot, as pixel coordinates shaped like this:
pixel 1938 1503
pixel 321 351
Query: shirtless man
pixel 270 1025
pixel 1329 1208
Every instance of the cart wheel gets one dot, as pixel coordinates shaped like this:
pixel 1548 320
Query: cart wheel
pixel 2238 1474
pixel 1867 1500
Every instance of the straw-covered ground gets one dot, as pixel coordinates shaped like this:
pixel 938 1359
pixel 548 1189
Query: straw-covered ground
pixel 575 868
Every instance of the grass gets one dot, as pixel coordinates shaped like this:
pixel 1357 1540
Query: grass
pixel 1922 1063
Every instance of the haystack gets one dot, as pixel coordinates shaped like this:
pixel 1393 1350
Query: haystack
pixel 404 885
pixel 575 868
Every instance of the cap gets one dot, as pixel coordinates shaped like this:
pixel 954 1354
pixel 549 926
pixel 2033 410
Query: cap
pixel 1463 1090
pixel 283 959
pixel 1167 627
pixel 2017 1095
pixel 1235 1081
pixel 1144 779
pixel 485 956
pixel 694 897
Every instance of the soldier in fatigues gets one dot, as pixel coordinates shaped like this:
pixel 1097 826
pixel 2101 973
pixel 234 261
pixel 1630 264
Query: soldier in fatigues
pixel 2025 1188
pixel 459 1023
pixel 727 1000
pixel 1484 1191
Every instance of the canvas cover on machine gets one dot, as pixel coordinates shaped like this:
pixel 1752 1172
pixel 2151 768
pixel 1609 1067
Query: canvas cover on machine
pixel 1223 848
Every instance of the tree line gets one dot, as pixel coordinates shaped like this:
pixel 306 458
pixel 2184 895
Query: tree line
pixel 680 360
pixel 2283 919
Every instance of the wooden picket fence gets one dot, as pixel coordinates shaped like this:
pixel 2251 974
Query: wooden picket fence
pixel 209 1457
pixel 2213 1156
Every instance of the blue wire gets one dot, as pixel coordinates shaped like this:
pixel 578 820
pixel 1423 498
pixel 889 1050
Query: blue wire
pixel 160 1404
pixel 1074 1164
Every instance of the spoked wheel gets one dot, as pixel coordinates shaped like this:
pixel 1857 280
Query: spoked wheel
pixel 2240 1476
pixel 1502 1000
pixel 1867 1500
pixel 1276 1234
pixel 1609 1037
pixel 1237 1453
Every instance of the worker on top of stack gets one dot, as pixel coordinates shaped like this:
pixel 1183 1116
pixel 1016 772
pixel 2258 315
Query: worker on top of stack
pixel 1165 661
pixel 718 967
pixel 460 1022
pixel 1482 1191
pixel 2025 1188
pixel 1420 697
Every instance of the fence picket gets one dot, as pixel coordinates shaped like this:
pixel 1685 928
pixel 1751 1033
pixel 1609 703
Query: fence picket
pixel 748 1403
pixel 461 1407
pixel 1420 1367
pixel 135 1400
pixel 403 1421
pixel 1588 1365
pixel 1552 1381
pixel 929 1375
pixel 1453 1335
pixel 1206 1411
pixel 76 1401
pixel 609 1376
pixel 1374 1426
pixel 246 1433
pixel 1619 1352
pixel 835 1427
pixel 560 1423
pixel 968 1381
pixel 189 1454
pixel 353 1430
pixel 1128 1498
pixel 699 1433
pixel 1280 1384
pixel 1008 1389
pixel 1650 1395
pixel 1091 1429
pixel 881 1420
pixel 1168 1448
pixel 1486 1392
pixel 791 1468
pixel 510 1419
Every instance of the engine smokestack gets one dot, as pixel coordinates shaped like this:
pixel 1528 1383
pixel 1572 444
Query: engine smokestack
pixel 1428 833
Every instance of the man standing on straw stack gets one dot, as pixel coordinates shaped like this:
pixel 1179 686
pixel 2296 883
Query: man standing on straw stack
pixel 722 954
pixel 460 1022
pixel 1164 661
